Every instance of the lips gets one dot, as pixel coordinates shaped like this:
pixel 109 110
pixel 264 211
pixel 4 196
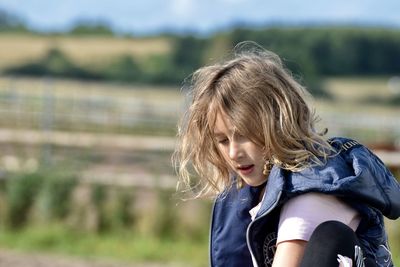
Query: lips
pixel 246 169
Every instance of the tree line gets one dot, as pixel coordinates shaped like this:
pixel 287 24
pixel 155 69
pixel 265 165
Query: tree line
pixel 309 52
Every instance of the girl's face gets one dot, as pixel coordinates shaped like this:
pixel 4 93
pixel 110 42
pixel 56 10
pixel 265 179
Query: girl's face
pixel 242 155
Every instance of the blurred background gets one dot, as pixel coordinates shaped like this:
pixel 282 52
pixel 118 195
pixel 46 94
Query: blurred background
pixel 90 98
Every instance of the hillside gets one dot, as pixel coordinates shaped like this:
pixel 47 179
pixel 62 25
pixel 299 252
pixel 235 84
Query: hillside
pixel 83 50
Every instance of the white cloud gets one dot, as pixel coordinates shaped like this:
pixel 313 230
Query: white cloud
pixel 182 8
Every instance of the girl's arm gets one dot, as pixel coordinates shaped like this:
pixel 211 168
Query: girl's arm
pixel 298 220
pixel 289 253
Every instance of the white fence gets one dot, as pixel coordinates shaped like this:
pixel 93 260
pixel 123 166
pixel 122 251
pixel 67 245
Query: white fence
pixel 78 107
pixel 88 110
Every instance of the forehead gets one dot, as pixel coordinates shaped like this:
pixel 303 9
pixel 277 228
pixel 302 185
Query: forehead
pixel 222 124
pixel 220 118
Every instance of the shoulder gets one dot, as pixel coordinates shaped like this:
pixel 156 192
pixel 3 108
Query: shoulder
pixel 302 214
pixel 306 203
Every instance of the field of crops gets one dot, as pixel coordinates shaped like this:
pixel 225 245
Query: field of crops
pixel 84 50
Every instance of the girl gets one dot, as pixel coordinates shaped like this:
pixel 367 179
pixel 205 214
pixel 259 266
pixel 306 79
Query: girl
pixel 285 196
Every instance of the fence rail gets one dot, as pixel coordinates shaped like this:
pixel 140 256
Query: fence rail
pixel 50 108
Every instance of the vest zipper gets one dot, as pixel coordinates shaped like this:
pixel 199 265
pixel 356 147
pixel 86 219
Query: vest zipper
pixel 256 219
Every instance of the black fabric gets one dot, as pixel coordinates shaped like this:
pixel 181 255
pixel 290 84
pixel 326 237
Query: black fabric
pixel 327 241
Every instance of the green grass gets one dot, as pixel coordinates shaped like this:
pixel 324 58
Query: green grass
pixel 124 246
pixel 393 228
pixel 368 95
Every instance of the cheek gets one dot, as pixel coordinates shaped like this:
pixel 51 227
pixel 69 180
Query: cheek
pixel 223 152
pixel 257 153
pixel 225 156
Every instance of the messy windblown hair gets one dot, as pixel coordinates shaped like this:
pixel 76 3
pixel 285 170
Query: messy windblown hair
pixel 264 103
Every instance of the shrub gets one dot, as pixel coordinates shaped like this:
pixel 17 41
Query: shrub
pixel 123 68
pixel 166 217
pixel 55 195
pixel 21 193
pixel 54 63
pixel 123 217
pixel 99 197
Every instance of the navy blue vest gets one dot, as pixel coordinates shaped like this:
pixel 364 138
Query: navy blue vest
pixel 230 227
pixel 355 175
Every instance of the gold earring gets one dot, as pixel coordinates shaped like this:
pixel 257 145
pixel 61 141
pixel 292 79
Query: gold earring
pixel 267 166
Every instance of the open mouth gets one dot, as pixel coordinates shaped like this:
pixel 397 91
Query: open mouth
pixel 246 169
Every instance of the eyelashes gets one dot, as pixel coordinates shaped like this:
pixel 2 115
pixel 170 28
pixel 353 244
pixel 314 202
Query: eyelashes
pixel 236 136
pixel 223 141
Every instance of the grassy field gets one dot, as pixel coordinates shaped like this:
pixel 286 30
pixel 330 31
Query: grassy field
pixel 393 228
pixel 19 48
pixel 358 88
pixel 357 94
pixel 124 247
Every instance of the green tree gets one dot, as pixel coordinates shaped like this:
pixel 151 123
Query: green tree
pixel 92 28
pixel 10 22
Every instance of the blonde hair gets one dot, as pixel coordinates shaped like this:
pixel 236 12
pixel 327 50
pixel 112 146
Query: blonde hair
pixel 264 103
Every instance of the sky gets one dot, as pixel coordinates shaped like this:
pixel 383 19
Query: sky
pixel 201 16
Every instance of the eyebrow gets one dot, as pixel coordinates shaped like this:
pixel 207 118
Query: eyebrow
pixel 231 132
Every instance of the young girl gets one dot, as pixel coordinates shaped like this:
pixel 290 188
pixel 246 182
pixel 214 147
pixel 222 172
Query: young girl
pixel 285 196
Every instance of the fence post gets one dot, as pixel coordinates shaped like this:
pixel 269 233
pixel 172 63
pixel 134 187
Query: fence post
pixel 47 119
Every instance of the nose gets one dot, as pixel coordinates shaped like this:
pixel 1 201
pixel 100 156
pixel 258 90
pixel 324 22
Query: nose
pixel 235 151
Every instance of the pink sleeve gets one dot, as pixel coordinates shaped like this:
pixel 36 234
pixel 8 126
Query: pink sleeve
pixel 302 214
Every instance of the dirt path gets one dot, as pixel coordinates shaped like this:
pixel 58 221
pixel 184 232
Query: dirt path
pixel 21 259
